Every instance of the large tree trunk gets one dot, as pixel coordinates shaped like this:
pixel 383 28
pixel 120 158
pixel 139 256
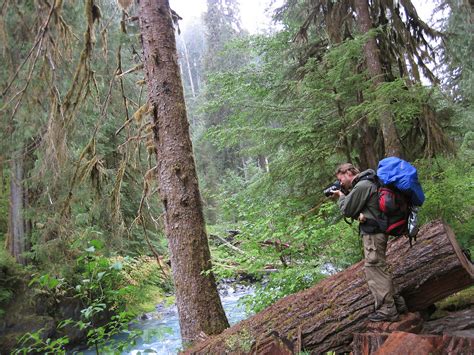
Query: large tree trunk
pixel 199 305
pixel 325 317
pixel 366 145
pixel 17 236
pixel 374 67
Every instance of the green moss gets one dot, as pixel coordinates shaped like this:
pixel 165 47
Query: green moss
pixel 241 341
pixel 152 295
pixel 460 300
pixel 326 313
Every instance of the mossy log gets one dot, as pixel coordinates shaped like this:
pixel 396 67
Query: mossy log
pixel 325 317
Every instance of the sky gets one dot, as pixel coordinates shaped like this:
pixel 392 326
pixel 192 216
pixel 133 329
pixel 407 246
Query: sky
pixel 253 13
pixel 255 16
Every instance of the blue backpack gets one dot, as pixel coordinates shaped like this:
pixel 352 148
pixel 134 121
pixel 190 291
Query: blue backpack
pixel 403 176
pixel 400 195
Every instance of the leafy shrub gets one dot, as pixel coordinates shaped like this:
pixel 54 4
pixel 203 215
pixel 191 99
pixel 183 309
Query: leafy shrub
pixel 105 286
pixel 449 188
pixel 280 284
pixel 300 247
pixel 148 281
pixel 34 343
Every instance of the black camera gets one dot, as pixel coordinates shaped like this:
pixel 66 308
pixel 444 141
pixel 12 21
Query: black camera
pixel 328 191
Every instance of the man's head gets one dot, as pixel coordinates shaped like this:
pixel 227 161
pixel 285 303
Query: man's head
pixel 345 173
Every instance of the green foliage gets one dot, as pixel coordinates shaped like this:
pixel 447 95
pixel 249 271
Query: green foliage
pixel 101 338
pixel 300 244
pixel 270 124
pixel 118 282
pixel 47 281
pixel 99 281
pixel 10 276
pixel 458 301
pixel 108 288
pixel 149 283
pixel 304 117
pixel 449 189
pixel 280 284
pixel 459 48
pixel 307 121
pixel 313 251
pixel 83 177
pixel 35 343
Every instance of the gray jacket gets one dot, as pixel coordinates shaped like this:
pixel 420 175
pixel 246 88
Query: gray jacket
pixel 363 198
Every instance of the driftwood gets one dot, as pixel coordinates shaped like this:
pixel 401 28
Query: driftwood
pixel 325 317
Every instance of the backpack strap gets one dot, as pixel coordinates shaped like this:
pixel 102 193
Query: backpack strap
pixel 369 177
pixel 371 226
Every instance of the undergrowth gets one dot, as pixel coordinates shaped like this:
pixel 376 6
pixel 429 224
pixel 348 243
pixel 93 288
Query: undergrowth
pixel 11 275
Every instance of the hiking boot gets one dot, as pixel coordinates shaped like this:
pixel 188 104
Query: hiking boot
pixel 378 317
pixel 400 304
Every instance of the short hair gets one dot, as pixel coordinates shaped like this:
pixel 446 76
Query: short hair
pixel 343 168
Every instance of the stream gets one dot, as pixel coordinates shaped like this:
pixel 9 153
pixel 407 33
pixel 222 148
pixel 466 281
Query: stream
pixel 164 323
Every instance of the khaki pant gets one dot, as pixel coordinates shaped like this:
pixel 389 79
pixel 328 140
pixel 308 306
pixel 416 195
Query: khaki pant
pixel 378 275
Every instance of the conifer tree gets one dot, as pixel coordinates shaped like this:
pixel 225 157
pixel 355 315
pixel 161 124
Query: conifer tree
pixel 397 46
pixel 197 299
pixel 374 67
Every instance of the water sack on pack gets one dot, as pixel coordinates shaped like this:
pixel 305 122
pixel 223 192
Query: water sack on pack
pixel 401 174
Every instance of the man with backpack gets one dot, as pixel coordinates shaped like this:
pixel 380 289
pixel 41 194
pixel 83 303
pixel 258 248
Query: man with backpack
pixel 362 203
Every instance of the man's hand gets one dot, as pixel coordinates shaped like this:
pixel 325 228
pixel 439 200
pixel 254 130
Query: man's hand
pixel 337 194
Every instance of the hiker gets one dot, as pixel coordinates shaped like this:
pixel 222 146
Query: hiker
pixel 361 203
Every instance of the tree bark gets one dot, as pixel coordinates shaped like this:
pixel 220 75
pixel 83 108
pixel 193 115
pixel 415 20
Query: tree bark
pixel 401 343
pixel 455 323
pixel 325 317
pixel 374 68
pixel 197 299
pixel 366 144
pixel 16 239
pixel 263 163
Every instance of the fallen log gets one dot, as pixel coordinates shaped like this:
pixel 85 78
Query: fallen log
pixel 460 323
pixel 325 317
pixel 408 323
pixel 452 334
pixel 402 343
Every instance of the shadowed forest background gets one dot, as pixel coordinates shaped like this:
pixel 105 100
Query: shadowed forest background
pixel 271 115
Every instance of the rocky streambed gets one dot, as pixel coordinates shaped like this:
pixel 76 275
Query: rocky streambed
pixel 163 323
